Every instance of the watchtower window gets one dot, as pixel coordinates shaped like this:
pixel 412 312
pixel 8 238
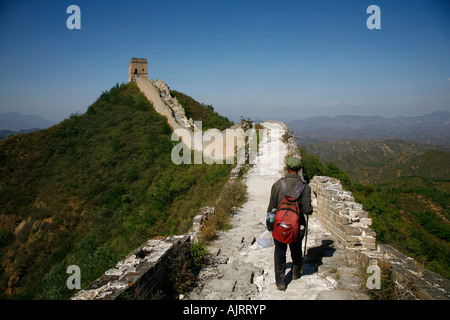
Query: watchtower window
pixel 135 71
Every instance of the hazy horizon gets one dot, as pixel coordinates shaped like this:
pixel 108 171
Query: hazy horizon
pixel 232 118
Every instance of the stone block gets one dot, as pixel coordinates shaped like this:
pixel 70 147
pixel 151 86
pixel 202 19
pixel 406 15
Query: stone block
pixel 369 239
pixel 370 246
pixel 351 238
pixel 368 232
pixel 342 219
pixel 350 230
pixel 368 257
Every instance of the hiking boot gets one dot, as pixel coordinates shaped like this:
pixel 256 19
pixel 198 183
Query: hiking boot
pixel 296 276
pixel 296 272
pixel 281 286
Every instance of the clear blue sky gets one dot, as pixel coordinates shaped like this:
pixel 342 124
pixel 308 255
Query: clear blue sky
pixel 259 59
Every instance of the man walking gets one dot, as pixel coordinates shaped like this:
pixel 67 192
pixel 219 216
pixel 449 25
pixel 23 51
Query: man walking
pixel 293 182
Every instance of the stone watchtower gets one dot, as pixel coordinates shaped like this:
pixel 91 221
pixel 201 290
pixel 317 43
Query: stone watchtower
pixel 137 68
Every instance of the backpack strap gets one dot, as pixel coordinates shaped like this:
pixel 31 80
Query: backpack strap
pixel 297 193
pixel 284 186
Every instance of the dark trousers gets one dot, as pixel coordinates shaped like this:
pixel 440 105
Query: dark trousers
pixel 280 259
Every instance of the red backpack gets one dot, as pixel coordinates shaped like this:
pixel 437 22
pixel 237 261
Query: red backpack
pixel 288 217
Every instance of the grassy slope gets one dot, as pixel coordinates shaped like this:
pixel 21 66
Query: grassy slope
pixel 89 190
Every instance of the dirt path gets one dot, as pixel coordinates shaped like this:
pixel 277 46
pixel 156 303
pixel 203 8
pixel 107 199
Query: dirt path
pixel 239 268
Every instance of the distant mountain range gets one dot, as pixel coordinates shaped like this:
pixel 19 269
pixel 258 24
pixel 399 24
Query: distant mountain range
pixel 382 161
pixel 431 129
pixel 15 121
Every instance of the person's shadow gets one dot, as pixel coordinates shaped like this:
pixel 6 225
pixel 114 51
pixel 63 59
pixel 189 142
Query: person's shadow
pixel 313 259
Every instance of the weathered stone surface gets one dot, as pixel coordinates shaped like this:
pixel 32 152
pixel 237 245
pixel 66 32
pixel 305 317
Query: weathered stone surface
pixel 221 285
pixel 335 295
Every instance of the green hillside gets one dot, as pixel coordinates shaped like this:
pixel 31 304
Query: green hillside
pixel 411 213
pixel 382 161
pixel 92 188
pixel 201 112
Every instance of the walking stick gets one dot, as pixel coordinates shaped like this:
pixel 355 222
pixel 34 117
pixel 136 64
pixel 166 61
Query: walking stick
pixel 306 240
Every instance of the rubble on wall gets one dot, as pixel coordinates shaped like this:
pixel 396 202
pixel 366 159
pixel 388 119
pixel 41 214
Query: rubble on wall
pixel 141 273
pixel 172 102
pixel 138 272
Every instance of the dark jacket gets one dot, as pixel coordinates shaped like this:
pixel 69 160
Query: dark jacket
pixel 292 182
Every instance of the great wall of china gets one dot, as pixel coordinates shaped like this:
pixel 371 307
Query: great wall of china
pixel 340 246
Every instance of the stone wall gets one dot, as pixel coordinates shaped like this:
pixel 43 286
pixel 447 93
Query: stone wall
pixel 223 143
pixel 141 274
pixel 349 223
pixel 341 215
pixel 412 278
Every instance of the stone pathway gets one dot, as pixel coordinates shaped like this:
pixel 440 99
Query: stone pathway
pixel 239 268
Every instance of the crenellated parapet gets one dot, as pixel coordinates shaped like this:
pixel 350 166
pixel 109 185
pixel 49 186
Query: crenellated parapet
pixel 341 215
